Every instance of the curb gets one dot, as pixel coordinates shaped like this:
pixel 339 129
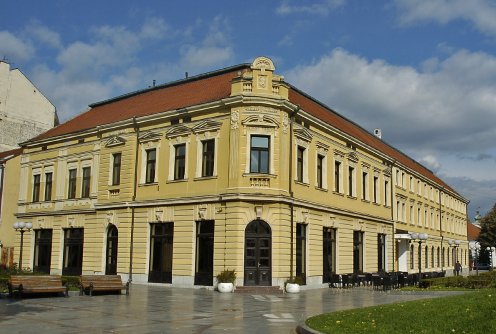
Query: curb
pixel 304 329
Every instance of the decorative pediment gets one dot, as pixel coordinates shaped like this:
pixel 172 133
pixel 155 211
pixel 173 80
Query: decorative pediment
pixel 208 125
pixel 178 131
pixel 115 141
pixel 263 63
pixel 261 121
pixel 322 148
pixel 304 134
pixel 353 156
pixel 149 136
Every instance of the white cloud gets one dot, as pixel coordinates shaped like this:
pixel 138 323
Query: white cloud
pixel 448 109
pixel 214 49
pixel 154 28
pixel 44 34
pixel 431 162
pixel 315 8
pixel 14 49
pixel 480 13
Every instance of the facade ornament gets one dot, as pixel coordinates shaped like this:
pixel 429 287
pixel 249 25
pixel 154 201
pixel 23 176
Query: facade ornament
pixel 234 120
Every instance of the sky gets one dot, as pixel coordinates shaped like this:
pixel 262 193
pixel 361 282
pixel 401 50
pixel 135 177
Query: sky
pixel 423 71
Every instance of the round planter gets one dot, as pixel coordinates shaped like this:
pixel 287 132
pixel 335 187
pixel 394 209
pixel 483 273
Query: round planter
pixel 225 287
pixel 292 288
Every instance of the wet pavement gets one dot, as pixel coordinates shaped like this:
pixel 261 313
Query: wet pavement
pixel 161 309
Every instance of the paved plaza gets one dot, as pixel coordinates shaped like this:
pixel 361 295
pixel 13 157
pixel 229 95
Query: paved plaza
pixel 160 309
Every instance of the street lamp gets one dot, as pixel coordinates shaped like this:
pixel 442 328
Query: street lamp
pixel 22 227
pixel 491 252
pixel 475 248
pixel 419 237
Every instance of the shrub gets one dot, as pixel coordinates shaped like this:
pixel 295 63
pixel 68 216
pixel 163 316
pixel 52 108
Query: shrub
pixel 226 276
pixel 485 280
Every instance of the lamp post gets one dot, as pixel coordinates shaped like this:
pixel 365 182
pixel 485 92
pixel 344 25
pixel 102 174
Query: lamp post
pixel 22 227
pixel 475 248
pixel 419 237
pixel 491 252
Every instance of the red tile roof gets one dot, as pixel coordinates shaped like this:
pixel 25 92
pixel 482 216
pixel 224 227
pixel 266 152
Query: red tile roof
pixel 10 154
pixel 473 231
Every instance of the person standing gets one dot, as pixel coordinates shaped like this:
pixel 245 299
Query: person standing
pixel 458 268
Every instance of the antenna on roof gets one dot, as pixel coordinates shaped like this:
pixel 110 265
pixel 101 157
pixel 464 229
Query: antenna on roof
pixel 186 75
pixel 154 81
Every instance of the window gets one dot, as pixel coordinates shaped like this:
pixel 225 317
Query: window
pixel 208 157
pixel 85 188
pixel 179 161
pixel 351 186
pixel 320 163
pixel 337 176
pixel 329 254
pixel 381 252
pixel 299 163
pixel 48 186
pixel 412 257
pixel 151 158
pixel 42 250
pixel 36 187
pixel 365 186
pixel 386 192
pixel 116 169
pixel 376 189
pixel 426 257
pixel 357 252
pixel 301 235
pixel 71 189
pixel 259 154
pixel 204 268
pixel 73 251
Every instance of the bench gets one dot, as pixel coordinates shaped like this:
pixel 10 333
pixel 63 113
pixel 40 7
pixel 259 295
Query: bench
pixel 30 284
pixel 93 283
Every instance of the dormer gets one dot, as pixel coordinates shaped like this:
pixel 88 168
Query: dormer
pixel 260 81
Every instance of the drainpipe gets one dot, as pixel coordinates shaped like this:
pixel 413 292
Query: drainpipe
pixel 391 186
pixel 441 228
pixel 133 199
pixel 291 194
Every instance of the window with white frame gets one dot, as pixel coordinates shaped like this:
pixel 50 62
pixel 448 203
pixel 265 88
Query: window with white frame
pixel 387 193
pixel 300 163
pixel 321 177
pixel 71 184
pixel 365 185
pixel 36 187
pixel 180 162
pixel 351 181
pixel 376 189
pixel 338 176
pixel 208 157
pixel 151 161
pixel 116 168
pixel 260 154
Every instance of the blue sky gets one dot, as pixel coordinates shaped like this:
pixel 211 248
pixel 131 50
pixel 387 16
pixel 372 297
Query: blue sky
pixel 424 71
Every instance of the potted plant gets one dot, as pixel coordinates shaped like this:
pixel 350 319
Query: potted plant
pixel 225 280
pixel 292 285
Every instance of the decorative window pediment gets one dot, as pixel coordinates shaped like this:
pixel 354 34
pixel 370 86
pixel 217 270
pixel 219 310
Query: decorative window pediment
pixel 115 141
pixel 303 134
pixel 149 136
pixel 261 121
pixel 353 156
pixel 208 125
pixel 322 148
pixel 178 131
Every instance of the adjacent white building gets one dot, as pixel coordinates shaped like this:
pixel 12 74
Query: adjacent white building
pixel 24 111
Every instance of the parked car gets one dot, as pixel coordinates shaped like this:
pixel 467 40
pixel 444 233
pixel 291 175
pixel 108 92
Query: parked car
pixel 482 266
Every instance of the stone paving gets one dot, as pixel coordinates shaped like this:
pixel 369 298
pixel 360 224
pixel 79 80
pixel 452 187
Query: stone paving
pixel 161 309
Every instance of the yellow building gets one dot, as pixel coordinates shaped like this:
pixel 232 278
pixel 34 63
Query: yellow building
pixel 233 169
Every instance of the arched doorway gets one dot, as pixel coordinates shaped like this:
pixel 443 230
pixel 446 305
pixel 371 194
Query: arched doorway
pixel 258 250
pixel 111 254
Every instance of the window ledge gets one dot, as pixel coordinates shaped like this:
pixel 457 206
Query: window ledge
pixel 321 189
pixel 351 196
pixel 148 184
pixel 259 175
pixel 302 183
pixel 338 193
pixel 365 200
pixel 205 178
pixel 177 181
